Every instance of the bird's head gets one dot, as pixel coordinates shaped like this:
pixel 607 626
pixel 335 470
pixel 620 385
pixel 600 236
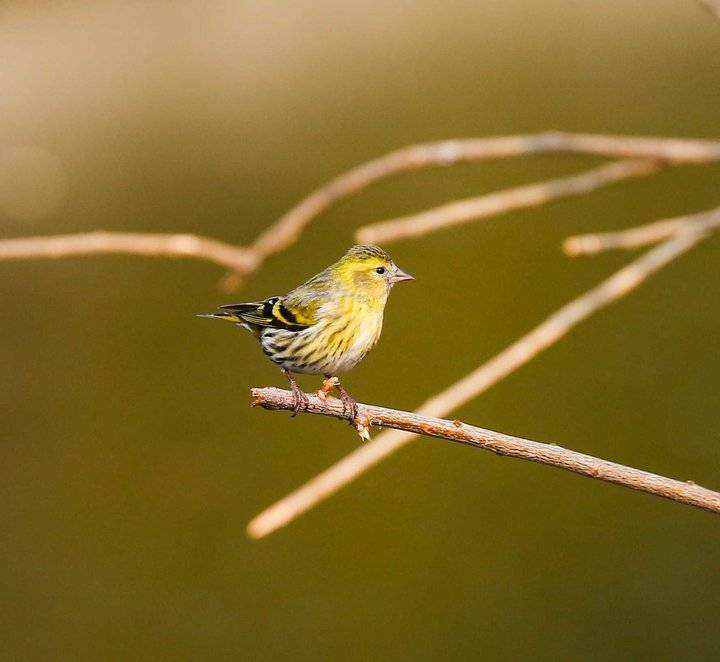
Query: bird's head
pixel 369 270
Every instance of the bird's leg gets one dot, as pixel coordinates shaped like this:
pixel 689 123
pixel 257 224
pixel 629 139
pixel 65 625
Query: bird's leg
pixel 301 400
pixel 350 406
pixel 360 423
pixel 329 383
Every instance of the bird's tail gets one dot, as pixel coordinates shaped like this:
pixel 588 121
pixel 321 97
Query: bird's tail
pixel 240 313
pixel 222 315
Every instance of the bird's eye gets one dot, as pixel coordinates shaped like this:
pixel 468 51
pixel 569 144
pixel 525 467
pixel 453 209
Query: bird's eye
pixel 380 270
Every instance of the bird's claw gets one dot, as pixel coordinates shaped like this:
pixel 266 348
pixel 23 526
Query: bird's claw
pixel 351 411
pixel 301 401
pixel 350 406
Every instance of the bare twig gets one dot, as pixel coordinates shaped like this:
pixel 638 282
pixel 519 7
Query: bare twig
pixel 644 235
pixel 516 355
pixel 244 261
pixel 502 202
pixel 501 444
pixel 448 152
pixel 130 243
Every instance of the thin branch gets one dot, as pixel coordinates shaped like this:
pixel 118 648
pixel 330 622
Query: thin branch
pixel 501 444
pixel 555 327
pixel 244 261
pixel 128 243
pixel 502 202
pixel 644 235
pixel 288 228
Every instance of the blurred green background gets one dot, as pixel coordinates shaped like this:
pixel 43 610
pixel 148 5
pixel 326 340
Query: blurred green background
pixel 131 461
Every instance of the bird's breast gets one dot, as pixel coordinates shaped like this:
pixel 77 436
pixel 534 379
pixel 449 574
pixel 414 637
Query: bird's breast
pixel 343 334
pixel 353 337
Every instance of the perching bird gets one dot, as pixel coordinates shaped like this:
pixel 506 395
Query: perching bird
pixel 326 325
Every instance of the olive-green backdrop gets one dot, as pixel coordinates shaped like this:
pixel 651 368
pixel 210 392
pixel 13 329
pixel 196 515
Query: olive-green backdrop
pixel 130 459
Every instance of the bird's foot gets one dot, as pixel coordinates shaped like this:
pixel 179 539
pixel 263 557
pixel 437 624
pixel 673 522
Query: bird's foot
pixel 351 411
pixel 350 406
pixel 361 422
pixel 329 383
pixel 301 401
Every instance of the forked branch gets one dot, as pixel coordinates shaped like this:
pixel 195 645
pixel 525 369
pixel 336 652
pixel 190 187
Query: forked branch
pixel 243 261
pixel 519 353
pixel 671 151
pixel 642 235
pixel 502 202
pixel 640 156
pixel 501 444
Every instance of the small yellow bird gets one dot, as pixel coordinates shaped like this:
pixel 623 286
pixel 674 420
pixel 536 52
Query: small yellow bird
pixel 326 325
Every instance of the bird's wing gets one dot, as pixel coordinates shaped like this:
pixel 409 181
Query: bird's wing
pixel 274 312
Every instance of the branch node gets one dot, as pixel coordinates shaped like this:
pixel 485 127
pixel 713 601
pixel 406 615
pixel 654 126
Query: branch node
pixel 362 425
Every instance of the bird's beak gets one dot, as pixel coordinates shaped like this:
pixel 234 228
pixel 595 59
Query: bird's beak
pixel 398 276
